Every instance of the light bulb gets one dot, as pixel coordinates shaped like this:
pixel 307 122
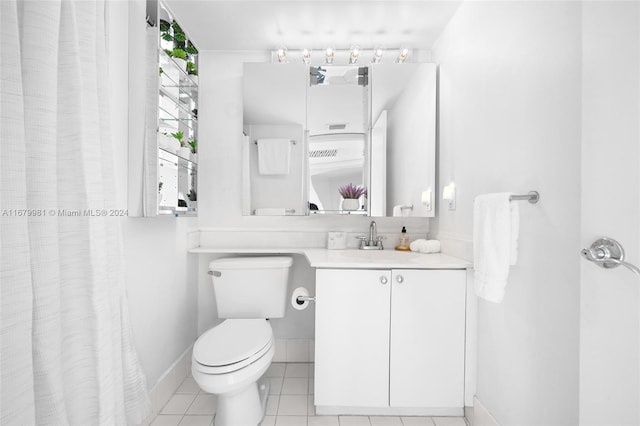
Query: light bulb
pixel 404 54
pixel 377 56
pixel 328 55
pixel 353 58
pixel 282 55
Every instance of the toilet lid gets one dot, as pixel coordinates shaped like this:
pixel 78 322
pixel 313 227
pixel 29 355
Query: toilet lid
pixel 232 342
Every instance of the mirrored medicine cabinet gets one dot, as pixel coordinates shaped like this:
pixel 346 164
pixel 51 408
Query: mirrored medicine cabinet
pixel 325 131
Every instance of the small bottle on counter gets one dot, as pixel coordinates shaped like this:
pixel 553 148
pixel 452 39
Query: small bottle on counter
pixel 404 241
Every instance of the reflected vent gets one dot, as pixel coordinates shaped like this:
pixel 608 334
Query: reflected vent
pixel 323 153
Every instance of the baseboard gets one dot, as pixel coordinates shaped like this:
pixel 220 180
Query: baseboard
pixel 322 410
pixel 481 416
pixel 169 383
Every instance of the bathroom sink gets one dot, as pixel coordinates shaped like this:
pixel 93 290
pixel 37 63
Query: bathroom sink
pixel 378 255
pixel 322 258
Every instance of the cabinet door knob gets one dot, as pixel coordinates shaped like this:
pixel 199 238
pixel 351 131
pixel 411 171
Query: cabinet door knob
pixel 399 278
pixel 383 279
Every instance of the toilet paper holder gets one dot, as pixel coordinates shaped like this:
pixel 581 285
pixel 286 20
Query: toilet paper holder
pixel 301 299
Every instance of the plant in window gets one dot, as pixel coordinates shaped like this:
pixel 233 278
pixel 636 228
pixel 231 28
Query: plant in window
pixel 179 53
pixel 179 136
pixel 194 145
pixel 179 38
pixel 191 49
pixel 191 68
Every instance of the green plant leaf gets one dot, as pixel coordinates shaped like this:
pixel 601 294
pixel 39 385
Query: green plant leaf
pixel 176 28
pixel 191 49
pixel 179 53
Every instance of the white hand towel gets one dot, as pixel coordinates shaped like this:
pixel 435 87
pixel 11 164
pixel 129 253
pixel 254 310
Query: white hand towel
pixel 401 211
pixel 274 156
pixel 271 211
pixel 425 246
pixel 495 243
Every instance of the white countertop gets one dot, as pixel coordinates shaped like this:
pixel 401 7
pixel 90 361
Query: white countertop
pixel 353 258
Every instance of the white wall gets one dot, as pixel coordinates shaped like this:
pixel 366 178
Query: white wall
pixel 610 306
pixel 160 275
pixel 510 121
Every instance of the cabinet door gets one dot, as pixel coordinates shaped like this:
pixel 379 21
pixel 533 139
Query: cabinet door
pixel 352 338
pixel 427 338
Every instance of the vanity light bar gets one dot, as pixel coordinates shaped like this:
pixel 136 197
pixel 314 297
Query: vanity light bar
pixel 331 56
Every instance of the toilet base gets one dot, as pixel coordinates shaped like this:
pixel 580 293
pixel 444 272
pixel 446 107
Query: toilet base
pixel 263 390
pixel 245 408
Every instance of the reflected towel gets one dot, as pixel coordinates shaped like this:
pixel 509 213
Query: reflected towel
pixel 425 246
pixel 271 211
pixel 274 156
pixel 495 243
pixel 398 211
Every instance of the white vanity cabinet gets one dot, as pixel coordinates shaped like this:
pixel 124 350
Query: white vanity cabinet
pixel 390 341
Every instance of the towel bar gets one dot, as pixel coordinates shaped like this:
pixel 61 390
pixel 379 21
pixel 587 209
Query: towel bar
pixel 532 197
pixel 292 141
pixel 290 211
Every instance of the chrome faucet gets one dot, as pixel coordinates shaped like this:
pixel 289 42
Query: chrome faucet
pixel 373 232
pixel 374 242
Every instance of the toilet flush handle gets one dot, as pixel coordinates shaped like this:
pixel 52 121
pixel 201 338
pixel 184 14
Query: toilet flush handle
pixel 215 273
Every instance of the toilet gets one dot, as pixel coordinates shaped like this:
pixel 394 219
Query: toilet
pixel 229 358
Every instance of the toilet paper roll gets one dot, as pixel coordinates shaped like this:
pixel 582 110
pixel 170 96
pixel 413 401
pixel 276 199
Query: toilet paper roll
pixel 300 291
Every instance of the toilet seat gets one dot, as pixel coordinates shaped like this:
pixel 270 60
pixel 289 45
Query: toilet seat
pixel 232 345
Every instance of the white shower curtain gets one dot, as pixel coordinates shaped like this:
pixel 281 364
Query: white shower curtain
pixel 66 352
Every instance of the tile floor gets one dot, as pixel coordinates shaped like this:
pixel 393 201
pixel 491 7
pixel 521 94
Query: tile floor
pixel 290 403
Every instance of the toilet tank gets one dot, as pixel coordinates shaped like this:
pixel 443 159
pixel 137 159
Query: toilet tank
pixel 251 287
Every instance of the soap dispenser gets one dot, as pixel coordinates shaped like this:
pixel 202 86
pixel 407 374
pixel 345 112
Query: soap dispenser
pixel 404 241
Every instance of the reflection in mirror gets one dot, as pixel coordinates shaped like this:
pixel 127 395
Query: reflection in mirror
pixel 369 126
pixel 403 111
pixel 335 160
pixel 274 167
pixel 338 123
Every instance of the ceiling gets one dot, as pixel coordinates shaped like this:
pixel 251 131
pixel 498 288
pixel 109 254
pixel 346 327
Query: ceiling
pixel 243 25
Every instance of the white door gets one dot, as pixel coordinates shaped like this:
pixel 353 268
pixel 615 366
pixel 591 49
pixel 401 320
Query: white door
pixel 352 338
pixel 610 298
pixel 427 338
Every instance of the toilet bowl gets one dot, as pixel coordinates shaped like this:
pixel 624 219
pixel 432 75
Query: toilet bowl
pixel 227 361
